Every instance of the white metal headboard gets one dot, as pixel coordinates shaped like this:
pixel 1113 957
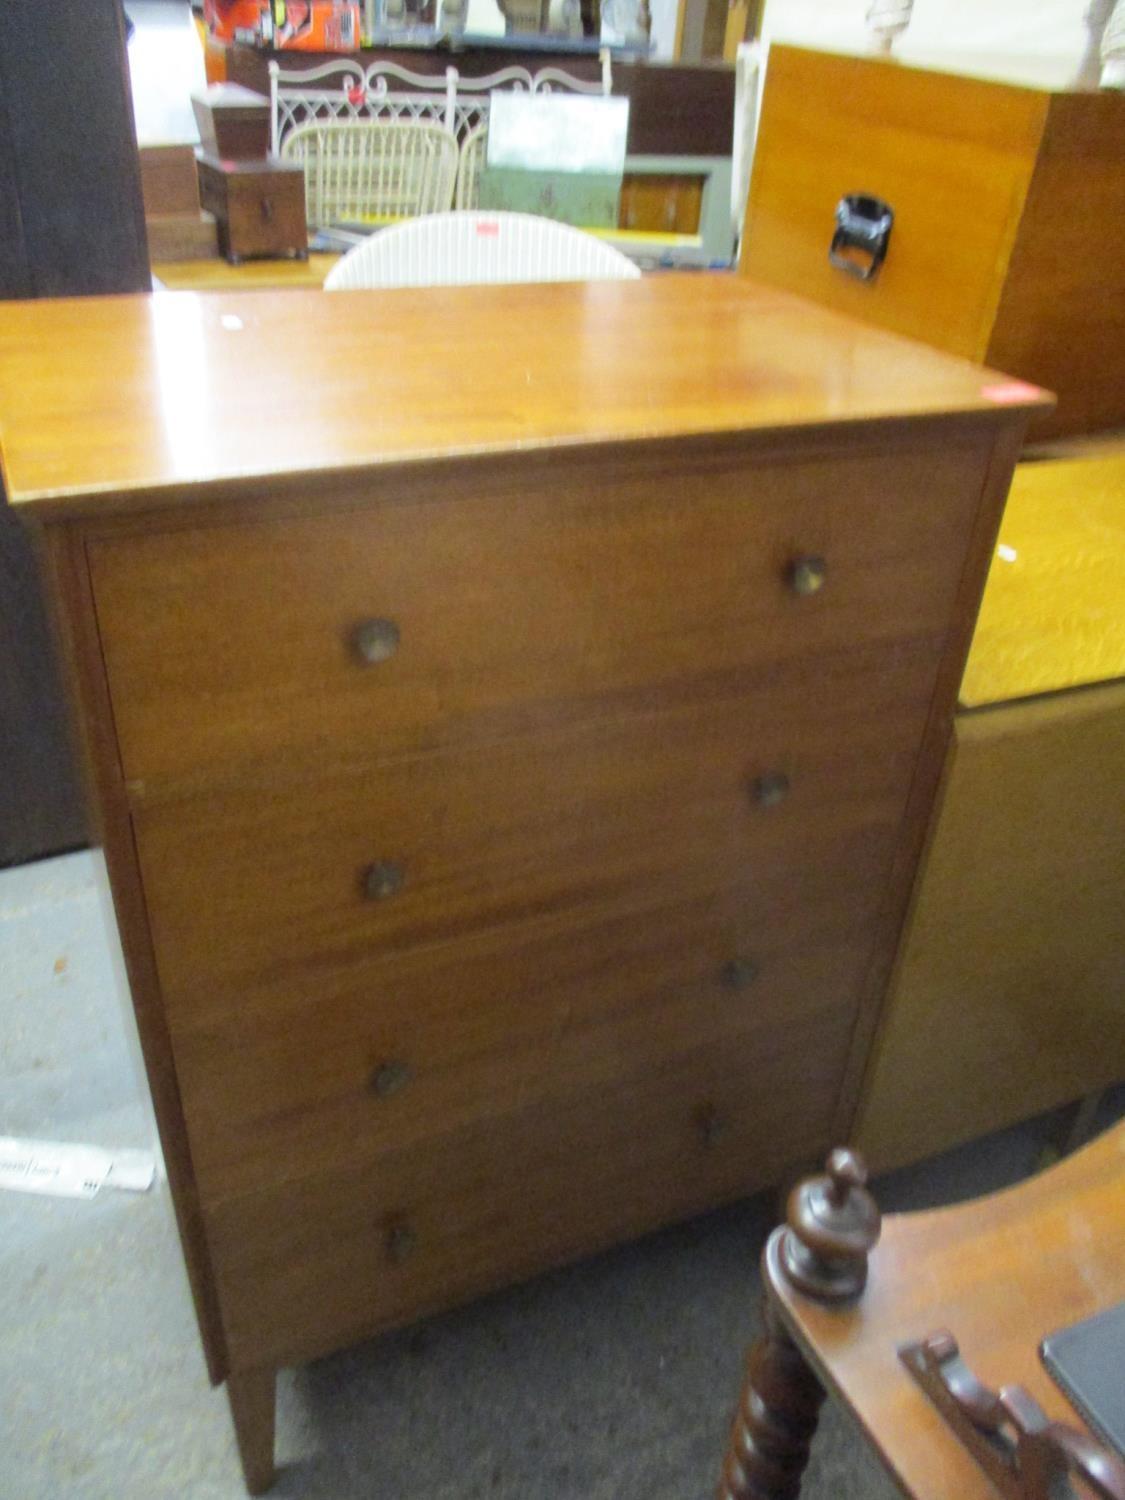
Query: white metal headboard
pixel 344 90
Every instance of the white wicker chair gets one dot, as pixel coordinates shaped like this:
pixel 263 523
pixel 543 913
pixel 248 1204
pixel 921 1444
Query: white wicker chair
pixel 360 171
pixel 473 149
pixel 462 249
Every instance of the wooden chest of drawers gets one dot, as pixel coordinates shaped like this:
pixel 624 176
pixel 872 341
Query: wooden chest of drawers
pixel 511 752
pixel 1009 214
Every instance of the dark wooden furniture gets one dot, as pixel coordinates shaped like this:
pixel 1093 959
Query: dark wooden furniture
pixel 503 747
pixel 259 205
pixel 233 121
pixel 71 222
pixel 1000 1273
pixel 1009 214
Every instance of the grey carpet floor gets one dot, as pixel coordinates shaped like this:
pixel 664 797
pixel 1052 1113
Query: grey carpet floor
pixel 611 1380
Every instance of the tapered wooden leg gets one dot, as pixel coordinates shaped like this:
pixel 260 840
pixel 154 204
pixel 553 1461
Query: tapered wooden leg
pixel 776 1420
pixel 253 1401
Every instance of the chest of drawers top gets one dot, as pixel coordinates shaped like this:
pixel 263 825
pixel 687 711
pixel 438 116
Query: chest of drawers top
pixel 130 403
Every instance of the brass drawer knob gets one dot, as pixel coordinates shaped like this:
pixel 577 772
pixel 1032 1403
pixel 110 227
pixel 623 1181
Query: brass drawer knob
pixel 807 575
pixel 375 640
pixel 401 1243
pixel 771 788
pixel 712 1124
pixel 739 973
pixel 383 879
pixel 391 1076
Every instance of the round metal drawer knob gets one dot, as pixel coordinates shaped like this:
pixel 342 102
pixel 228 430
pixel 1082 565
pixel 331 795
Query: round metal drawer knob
pixel 391 1076
pixel 771 788
pixel 383 880
pixel 807 575
pixel 376 640
pixel 739 973
pixel 401 1243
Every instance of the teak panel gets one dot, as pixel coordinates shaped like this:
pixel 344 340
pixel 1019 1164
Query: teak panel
pixel 206 393
pixel 226 645
pixel 284 1086
pixel 1061 318
pixel 952 156
pixel 324 1261
pixel 1008 995
pixel 1009 207
pixel 243 885
pixel 1053 613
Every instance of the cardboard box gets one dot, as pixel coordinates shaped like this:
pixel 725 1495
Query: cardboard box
pixel 237 20
pixel 289 25
pixel 316 25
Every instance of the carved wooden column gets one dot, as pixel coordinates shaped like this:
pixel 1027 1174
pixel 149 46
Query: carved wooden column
pixel 821 1251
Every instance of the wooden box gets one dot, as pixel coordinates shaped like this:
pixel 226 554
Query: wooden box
pixel 233 121
pixel 259 206
pixel 1009 216
pixel 510 786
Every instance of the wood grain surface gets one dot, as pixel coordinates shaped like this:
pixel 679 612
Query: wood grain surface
pixel 230 645
pixel 1061 317
pixel 171 395
pixel 1053 613
pixel 1009 207
pixel 1008 993
pixel 179 274
pixel 307 1266
pixel 289 1082
pixel 1000 1273
pixel 242 884
pixel 953 156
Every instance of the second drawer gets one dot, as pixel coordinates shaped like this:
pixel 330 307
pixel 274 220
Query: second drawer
pixel 248 886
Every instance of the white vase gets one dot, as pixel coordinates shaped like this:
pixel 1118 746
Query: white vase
pixel 1090 68
pixel 886 20
pixel 1113 49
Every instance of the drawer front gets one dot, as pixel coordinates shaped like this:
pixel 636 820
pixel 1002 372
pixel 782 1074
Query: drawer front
pixel 247 888
pixel 309 1266
pixel 557 595
pixel 394 1053
pixel 263 219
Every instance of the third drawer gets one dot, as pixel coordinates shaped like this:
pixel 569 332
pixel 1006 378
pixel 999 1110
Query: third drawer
pixel 391 1053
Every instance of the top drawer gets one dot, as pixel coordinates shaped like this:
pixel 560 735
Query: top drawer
pixel 513 607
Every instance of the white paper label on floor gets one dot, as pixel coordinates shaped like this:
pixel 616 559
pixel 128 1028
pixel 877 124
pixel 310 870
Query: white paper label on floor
pixel 67 1171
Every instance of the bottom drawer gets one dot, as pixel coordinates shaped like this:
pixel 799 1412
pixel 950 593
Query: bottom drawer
pixel 328 1260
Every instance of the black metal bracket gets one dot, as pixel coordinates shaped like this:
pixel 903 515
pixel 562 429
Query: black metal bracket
pixel 862 235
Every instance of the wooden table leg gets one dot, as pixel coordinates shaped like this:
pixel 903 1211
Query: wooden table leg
pixel 832 1223
pixel 775 1422
pixel 253 1402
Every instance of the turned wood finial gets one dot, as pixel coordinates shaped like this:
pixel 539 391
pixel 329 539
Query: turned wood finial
pixel 832 1223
